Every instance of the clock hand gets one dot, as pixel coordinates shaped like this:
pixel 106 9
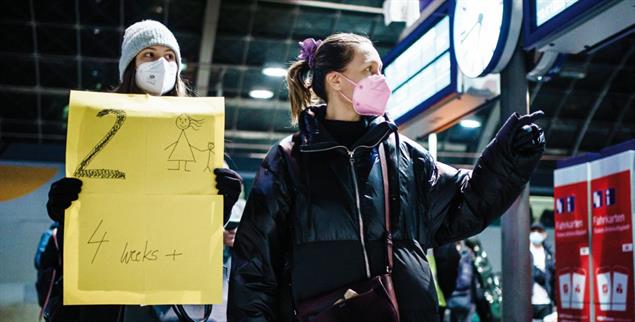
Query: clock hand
pixel 478 22
pixel 468 32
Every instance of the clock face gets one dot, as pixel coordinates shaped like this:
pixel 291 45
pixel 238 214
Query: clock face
pixel 477 29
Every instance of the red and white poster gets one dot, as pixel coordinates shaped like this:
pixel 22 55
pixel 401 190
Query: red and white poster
pixel 612 236
pixel 571 214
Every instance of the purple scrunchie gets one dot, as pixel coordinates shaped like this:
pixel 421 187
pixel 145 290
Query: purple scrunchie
pixel 308 47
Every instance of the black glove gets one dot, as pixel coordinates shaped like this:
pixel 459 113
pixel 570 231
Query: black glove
pixel 229 184
pixel 529 139
pixel 521 141
pixel 61 194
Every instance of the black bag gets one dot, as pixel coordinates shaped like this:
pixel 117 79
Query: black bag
pixel 375 299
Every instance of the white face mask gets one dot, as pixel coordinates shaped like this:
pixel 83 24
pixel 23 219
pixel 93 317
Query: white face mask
pixel 157 77
pixel 536 238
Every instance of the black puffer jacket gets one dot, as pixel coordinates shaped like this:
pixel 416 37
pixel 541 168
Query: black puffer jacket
pixel 300 231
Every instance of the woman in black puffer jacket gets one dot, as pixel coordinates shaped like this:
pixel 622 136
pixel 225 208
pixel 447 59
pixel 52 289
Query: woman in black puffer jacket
pixel 314 220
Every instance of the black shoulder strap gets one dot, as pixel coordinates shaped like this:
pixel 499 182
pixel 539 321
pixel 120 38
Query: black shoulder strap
pixel 384 175
pixel 393 177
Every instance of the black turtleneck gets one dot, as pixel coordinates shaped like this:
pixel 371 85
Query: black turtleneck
pixel 345 132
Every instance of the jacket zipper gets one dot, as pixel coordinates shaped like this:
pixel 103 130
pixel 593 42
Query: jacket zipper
pixel 351 154
pixel 359 212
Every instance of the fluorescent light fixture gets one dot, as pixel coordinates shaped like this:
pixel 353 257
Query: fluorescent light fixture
pixel 470 124
pixel 566 73
pixel 261 93
pixel 573 70
pixel 274 71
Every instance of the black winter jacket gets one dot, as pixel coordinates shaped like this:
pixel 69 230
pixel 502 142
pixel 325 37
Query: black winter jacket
pixel 300 231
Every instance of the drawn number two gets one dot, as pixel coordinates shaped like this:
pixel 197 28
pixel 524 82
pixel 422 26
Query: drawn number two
pixel 81 170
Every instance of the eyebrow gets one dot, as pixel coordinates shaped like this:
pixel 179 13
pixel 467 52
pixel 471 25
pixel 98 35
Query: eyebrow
pixel 156 49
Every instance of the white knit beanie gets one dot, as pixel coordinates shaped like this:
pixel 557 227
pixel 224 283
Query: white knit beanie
pixel 144 34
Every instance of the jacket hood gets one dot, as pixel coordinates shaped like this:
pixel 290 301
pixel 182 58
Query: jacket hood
pixel 314 136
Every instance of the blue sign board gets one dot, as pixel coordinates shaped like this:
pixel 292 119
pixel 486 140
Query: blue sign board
pixel 420 70
pixel 544 18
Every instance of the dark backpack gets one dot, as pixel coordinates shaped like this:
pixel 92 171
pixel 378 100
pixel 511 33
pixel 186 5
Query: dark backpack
pixel 48 284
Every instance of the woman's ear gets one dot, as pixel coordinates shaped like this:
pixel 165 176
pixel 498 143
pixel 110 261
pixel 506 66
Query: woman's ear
pixel 333 81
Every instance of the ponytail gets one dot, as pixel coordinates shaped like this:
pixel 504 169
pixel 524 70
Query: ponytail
pixel 299 91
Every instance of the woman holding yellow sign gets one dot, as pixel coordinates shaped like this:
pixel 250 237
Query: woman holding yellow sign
pixel 150 63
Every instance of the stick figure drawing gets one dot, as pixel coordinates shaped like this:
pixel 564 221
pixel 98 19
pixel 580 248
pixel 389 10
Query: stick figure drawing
pixel 181 148
pixel 210 151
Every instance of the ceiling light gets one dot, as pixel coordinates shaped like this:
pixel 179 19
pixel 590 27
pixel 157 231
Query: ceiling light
pixel 261 93
pixel 572 74
pixel 470 124
pixel 573 70
pixel 274 71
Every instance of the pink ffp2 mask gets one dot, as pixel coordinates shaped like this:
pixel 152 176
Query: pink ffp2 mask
pixel 370 95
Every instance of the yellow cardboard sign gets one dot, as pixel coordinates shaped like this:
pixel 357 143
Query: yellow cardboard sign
pixel 147 227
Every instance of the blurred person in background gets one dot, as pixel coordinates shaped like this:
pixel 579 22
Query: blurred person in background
pixel 461 301
pixel 447 258
pixel 542 272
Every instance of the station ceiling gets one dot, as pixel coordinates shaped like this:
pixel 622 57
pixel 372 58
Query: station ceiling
pixel 49 47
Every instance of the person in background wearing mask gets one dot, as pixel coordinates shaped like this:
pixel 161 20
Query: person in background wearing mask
pixel 150 63
pixel 314 221
pixel 542 272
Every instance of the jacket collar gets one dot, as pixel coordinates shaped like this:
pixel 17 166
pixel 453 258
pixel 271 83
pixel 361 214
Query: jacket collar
pixel 314 136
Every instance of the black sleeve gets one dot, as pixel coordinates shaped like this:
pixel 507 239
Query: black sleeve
pixel 463 203
pixel 260 246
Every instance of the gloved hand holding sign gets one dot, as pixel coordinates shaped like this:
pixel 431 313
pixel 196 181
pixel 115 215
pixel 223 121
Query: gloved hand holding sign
pixel 229 184
pixel 62 193
pixel 66 190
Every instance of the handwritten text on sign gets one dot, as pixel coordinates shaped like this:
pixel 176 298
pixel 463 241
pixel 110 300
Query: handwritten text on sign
pixel 147 228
